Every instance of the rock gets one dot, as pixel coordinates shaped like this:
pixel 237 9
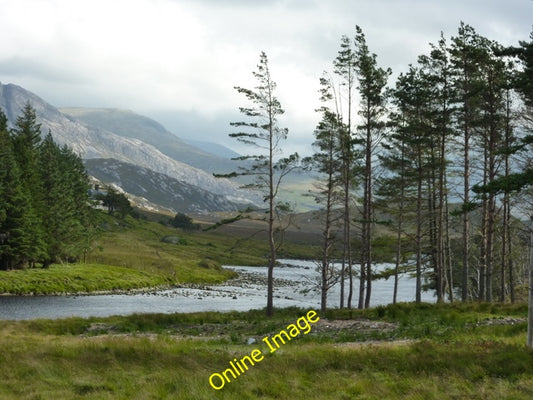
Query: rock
pixel 172 240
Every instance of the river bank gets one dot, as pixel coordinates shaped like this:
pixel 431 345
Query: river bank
pixel 296 285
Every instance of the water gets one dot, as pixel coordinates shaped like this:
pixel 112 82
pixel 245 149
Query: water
pixel 294 287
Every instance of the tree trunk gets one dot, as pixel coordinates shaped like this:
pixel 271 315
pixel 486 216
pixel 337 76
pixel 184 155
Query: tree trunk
pixel 433 215
pixel 466 214
pixel 326 246
pixel 271 238
pixel 399 241
pixel 362 286
pixel 491 212
pixel 506 221
pixel 368 212
pixel 506 237
pixel 419 229
pixel 504 247
pixel 511 273
pixel 441 248
pixel 484 228
pixel 530 308
pixel 346 253
pixel 448 246
pixel 490 246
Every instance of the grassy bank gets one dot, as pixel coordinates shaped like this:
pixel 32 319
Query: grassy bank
pixel 394 352
pixel 76 278
pixel 133 254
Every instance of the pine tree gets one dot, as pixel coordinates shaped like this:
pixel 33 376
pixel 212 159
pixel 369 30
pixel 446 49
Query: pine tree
pixel 493 110
pixel 65 215
pixel 343 100
pixel 519 182
pixel 412 96
pixel 372 89
pixel 15 222
pixel 26 140
pixel 117 203
pixel 437 70
pixel 75 174
pixel 523 83
pixel 26 137
pixel 45 212
pixel 326 161
pixel 262 131
pixel 466 53
pixel 395 189
pixel 523 181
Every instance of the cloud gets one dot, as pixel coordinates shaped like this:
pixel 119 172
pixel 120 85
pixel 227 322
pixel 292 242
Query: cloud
pixel 185 56
pixel 19 67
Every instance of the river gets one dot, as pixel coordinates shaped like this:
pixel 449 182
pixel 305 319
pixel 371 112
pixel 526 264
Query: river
pixel 295 286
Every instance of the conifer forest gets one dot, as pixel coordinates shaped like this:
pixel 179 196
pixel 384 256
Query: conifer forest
pixel 441 158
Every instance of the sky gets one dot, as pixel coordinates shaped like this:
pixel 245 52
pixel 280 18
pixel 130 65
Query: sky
pixel 178 61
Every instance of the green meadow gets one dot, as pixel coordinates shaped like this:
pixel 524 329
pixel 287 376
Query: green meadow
pixel 404 351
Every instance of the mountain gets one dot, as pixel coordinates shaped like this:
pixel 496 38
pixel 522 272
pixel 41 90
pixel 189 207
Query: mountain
pixel 92 142
pixel 160 189
pixel 128 124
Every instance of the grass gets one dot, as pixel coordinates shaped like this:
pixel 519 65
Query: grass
pixel 130 254
pixel 171 356
pixel 76 278
pixel 138 244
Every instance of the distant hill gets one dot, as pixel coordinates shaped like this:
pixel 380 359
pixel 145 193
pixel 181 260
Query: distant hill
pixel 214 148
pixel 131 125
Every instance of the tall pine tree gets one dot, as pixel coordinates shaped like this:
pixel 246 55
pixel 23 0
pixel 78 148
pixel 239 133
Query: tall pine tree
pixel 372 90
pixel 262 131
pixel 65 213
pixel 326 161
pixel 26 138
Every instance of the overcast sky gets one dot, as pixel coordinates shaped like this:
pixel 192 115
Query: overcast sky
pixel 178 60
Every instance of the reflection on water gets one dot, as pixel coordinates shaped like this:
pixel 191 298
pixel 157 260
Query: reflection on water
pixel 295 286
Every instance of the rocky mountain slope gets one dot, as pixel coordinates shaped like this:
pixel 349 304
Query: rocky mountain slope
pixel 158 188
pixel 128 124
pixel 92 142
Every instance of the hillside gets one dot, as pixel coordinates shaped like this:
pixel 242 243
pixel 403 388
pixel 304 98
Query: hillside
pixel 213 148
pixel 160 189
pixel 128 124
